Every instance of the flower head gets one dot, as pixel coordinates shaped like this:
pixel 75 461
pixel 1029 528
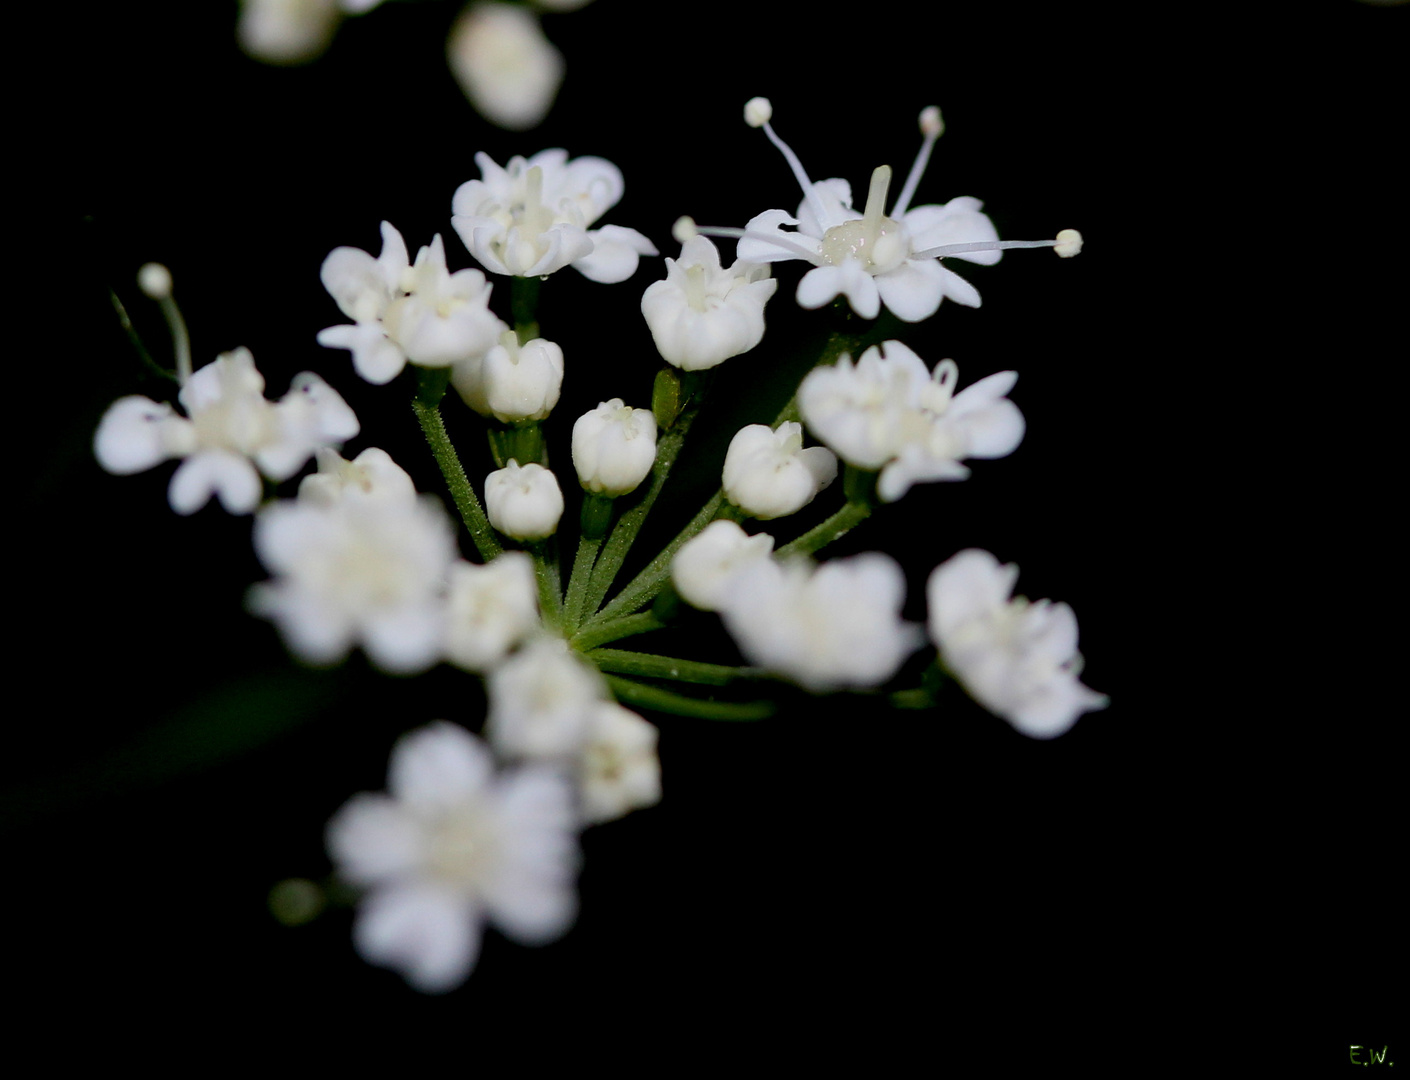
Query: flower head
pixel 230 433
pixel 402 311
pixel 533 216
pixel 769 474
pixel 1017 659
pixel 702 568
pixel 888 412
pixel 826 627
pixel 451 845
pixel 523 501
pixel 702 314
pixel 874 256
pixel 614 447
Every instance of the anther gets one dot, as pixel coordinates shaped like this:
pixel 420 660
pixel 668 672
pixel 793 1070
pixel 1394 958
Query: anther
pixel 758 112
pixel 684 229
pixel 1069 243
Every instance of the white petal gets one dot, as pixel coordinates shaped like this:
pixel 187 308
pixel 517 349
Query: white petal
pixel 215 472
pixel 429 935
pixel 615 254
pixel 958 289
pixel 913 290
pixel 438 766
pixel 130 436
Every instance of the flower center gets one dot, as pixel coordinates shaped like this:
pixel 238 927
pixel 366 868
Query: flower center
pixel 878 242
pixel 461 848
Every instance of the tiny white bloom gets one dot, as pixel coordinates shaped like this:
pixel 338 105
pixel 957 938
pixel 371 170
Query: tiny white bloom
pixel 356 570
pixel 703 566
pixel 229 436
pixel 828 627
pixel 512 382
pixel 618 769
pixel 421 312
pixel 454 844
pixel 888 412
pixel 492 608
pixel 701 314
pixel 534 216
pixel 614 448
pixel 869 256
pixel 523 502
pixel 504 64
pixel 769 474
pixel 371 475
pixel 542 700
pixel 1017 659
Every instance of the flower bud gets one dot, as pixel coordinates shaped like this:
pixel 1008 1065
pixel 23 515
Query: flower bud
pixel 517 382
pixel 768 474
pixel 614 447
pixel 523 502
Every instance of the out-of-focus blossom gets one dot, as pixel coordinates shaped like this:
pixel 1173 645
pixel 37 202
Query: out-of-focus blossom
pixel 702 314
pixel 532 217
pixel 618 769
pixel 454 844
pixel 492 608
pixel 371 475
pixel 1017 659
pixel 828 627
pixel 229 436
pixel 703 566
pixel 542 701
pixel 506 67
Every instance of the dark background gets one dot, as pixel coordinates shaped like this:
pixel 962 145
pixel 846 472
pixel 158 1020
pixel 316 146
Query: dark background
pixel 1172 870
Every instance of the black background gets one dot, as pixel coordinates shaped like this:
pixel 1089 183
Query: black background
pixel 1210 851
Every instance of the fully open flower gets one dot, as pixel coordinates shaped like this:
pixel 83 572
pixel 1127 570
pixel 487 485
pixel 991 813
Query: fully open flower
pixel 533 216
pixel 702 314
pixel 422 312
pixel 888 412
pixel 1017 659
pixel 451 845
pixel 229 436
pixel 872 256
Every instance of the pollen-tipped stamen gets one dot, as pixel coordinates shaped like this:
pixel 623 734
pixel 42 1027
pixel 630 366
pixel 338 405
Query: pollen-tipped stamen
pixel 1066 246
pixel 931 127
pixel 155 281
pixel 793 163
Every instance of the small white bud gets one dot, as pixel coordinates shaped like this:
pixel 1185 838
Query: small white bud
pixel 154 279
pixel 523 502
pixel 931 126
pixel 1069 243
pixel 684 229
pixel 614 447
pixel 757 112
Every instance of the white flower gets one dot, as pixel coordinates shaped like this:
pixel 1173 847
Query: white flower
pixel 358 570
pixel 371 475
pixel 614 447
pixel 504 64
pixel 618 769
pixel 231 430
pixel 888 412
pixel 869 256
pixel 768 474
pixel 532 217
pixel 454 844
pixel 512 382
pixel 422 313
pixel 523 502
pixel 701 315
pixel 492 608
pixel 834 626
pixel 1018 660
pixel 286 31
pixel 542 701
pixel 702 568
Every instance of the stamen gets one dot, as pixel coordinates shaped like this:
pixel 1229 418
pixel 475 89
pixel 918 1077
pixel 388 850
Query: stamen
pixel 759 109
pixel 154 280
pixel 1069 243
pixel 777 239
pixel 992 245
pixel 684 229
pixel 931 126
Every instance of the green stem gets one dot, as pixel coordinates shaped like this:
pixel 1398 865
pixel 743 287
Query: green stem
pixel 819 536
pixel 644 587
pixel 652 697
pixel 590 637
pixel 583 563
pixel 426 405
pixel 550 583
pixel 523 306
pixel 615 550
pixel 625 662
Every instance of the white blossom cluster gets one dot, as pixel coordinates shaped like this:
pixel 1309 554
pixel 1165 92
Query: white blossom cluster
pixel 477 830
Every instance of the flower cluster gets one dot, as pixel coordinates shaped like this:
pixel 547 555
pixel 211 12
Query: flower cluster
pixel 477 829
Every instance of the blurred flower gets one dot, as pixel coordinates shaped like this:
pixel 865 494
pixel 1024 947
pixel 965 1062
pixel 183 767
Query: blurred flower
pixel 507 68
pixel 618 769
pixel 231 429
pixel 452 845
pixel 1017 659
pixel 703 566
pixel 542 701
pixel 492 608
